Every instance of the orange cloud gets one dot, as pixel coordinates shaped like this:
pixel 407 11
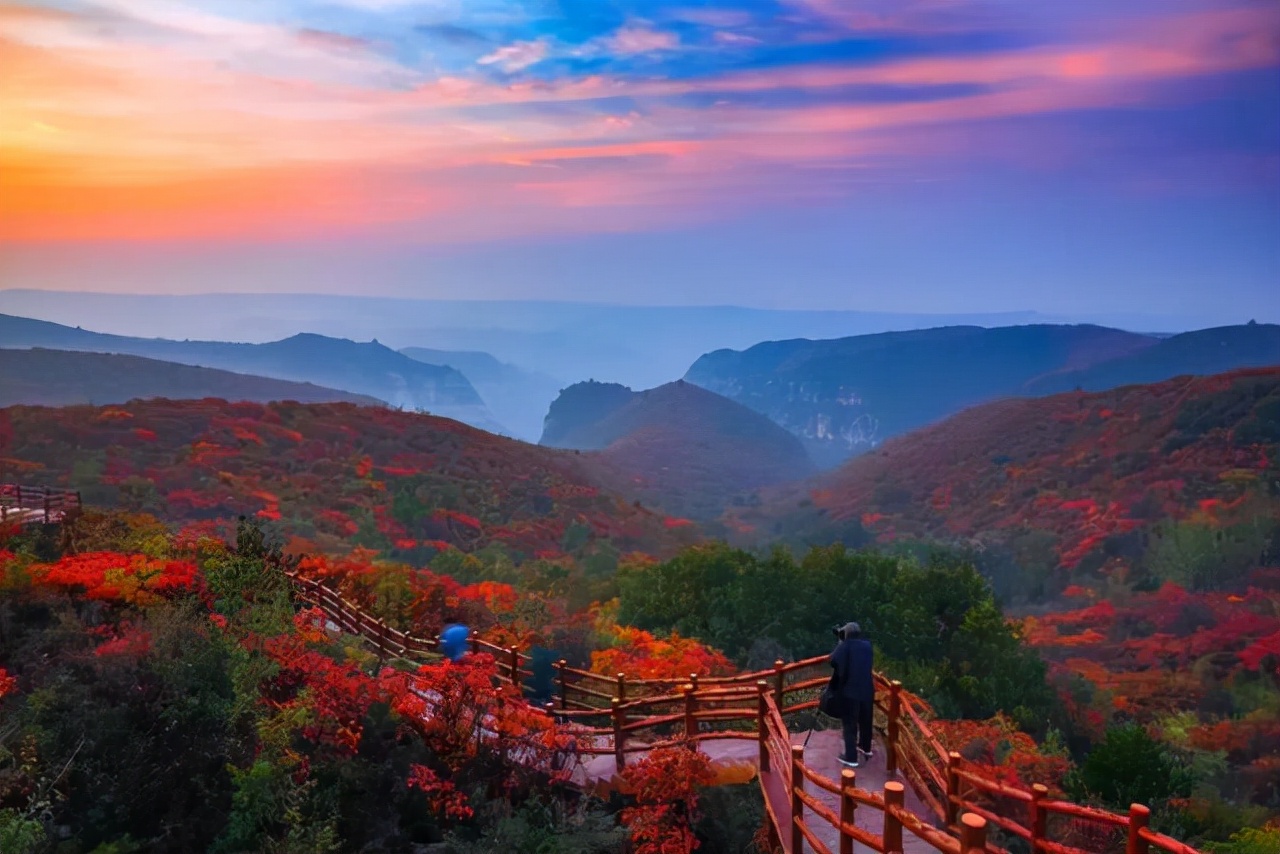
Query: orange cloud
pixel 311 131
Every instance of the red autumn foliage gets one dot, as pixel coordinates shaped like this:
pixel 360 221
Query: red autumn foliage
pixel 639 654
pixel 337 696
pixel 1001 752
pixel 7 683
pixel 1253 656
pixel 318 462
pixel 665 786
pixel 462 713
pixel 445 797
pixel 111 576
pixel 129 642
pixel 1083 469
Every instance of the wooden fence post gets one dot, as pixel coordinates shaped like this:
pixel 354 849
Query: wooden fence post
pixel 797 805
pixel 514 655
pixel 1139 818
pixel 763 724
pixel 1038 817
pixel 622 687
pixel 848 780
pixel 895 709
pixel 777 682
pixel 894 796
pixel 953 787
pixel 973 834
pixel 475 644
pixel 690 706
pixel 619 755
pixel 564 693
pixel 693 680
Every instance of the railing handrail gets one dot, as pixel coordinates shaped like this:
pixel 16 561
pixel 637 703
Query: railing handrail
pixel 37 504
pixel 953 793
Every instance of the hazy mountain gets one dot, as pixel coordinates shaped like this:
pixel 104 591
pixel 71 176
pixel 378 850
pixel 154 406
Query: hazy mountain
pixel 641 346
pixel 576 417
pixel 1204 352
pixel 846 395
pixel 677 446
pixel 369 369
pixel 62 378
pixel 518 399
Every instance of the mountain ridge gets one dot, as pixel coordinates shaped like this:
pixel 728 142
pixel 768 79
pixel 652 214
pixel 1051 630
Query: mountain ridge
pixel 363 368
pixel 44 377
pixel 847 395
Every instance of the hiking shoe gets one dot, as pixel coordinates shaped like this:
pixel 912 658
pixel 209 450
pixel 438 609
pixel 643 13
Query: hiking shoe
pixel 852 763
pixel 866 754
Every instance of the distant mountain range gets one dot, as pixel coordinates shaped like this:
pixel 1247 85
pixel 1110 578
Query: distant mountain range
pixel 366 369
pixel 847 395
pixel 640 346
pixel 678 446
pixel 1200 353
pixel 518 398
pixel 62 378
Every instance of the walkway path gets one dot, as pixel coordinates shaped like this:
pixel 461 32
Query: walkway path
pixel 612 715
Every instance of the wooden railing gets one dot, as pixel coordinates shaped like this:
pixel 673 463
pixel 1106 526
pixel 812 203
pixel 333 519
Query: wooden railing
pixel 32 505
pixel 778 756
pixel 623 716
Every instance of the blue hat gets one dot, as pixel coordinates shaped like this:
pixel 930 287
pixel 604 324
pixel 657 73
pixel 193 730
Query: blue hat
pixel 453 642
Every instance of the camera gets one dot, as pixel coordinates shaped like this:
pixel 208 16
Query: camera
pixel 838 631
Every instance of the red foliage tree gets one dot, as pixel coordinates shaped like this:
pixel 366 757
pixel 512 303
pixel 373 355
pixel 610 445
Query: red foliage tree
pixel 112 576
pixel 665 786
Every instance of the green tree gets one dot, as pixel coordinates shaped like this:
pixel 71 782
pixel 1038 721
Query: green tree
pixel 1129 766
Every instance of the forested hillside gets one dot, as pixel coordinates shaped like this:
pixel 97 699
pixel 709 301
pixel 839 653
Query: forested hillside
pixel 1175 481
pixel 336 476
pixel 62 378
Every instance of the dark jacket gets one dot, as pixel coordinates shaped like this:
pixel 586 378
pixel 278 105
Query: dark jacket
pixel 852 662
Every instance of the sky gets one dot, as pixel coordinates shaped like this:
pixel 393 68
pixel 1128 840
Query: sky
pixel 1086 157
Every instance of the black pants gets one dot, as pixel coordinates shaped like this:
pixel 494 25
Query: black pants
pixel 856 724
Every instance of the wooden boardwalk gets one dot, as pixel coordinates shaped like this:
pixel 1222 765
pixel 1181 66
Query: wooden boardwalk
pixel 36 505
pixel 913 796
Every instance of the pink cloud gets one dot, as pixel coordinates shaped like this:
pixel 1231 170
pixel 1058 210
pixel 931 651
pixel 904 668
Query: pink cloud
pixel 517 56
pixel 637 38
pixel 144 134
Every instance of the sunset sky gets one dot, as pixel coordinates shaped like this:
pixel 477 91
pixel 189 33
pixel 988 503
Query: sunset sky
pixel 915 155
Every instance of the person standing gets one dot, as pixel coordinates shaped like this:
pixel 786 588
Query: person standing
pixel 852 660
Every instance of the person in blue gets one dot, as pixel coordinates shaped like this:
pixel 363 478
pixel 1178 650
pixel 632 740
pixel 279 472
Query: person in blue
pixel 453 642
pixel 855 685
